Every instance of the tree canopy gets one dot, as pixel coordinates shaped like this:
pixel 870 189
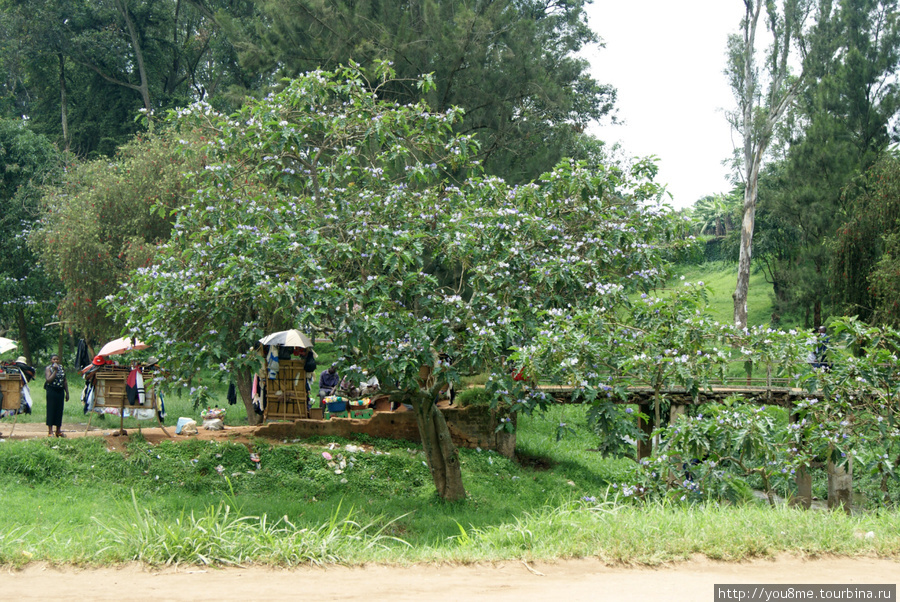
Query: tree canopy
pixel 99 223
pixel 329 209
pixel 27 162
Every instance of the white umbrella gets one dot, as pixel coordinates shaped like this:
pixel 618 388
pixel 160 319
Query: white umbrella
pixel 121 345
pixel 287 338
pixel 7 345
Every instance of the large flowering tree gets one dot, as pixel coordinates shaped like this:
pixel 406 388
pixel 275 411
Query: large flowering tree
pixel 327 209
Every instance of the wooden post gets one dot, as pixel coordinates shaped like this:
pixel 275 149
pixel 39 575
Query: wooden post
pixel 840 485
pixel 645 448
pixel 675 411
pixel 802 477
pixel 803 498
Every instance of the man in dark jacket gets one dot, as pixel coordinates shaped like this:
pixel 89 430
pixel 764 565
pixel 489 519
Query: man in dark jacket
pixel 328 382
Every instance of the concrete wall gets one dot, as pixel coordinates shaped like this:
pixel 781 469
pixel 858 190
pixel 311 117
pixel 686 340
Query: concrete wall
pixel 471 427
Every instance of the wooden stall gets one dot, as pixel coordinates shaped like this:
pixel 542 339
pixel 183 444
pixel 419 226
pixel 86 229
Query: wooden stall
pixel 109 392
pixel 11 386
pixel 286 396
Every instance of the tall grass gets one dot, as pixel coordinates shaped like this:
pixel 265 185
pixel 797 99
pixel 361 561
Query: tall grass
pixel 221 535
pixel 656 533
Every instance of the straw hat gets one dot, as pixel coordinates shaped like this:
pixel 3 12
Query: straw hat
pixel 21 360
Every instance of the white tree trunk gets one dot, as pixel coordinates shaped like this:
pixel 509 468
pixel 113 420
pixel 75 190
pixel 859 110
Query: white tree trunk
pixel 756 132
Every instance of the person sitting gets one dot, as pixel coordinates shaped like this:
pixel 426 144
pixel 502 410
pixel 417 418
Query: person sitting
pixel 370 386
pixel 348 389
pixel 328 382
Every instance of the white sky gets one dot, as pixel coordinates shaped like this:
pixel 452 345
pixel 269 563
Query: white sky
pixel 666 59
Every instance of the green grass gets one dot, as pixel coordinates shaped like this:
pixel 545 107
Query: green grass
pixel 197 502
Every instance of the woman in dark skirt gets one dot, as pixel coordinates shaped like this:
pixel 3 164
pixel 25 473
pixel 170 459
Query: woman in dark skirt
pixel 57 388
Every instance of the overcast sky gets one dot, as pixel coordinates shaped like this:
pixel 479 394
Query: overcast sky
pixel 666 59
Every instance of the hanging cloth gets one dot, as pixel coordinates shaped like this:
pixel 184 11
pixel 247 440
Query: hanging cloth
pixel 82 358
pixel 272 362
pixel 87 396
pixel 232 394
pixel 26 393
pixel 134 387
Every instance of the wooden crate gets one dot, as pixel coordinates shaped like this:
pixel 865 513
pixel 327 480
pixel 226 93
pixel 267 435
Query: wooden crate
pixel 11 385
pixel 109 389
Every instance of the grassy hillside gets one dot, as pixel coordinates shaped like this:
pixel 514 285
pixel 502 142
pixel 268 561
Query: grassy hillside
pixel 721 279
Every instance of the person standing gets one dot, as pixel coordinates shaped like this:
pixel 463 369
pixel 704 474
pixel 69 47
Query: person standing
pixel 821 353
pixel 57 388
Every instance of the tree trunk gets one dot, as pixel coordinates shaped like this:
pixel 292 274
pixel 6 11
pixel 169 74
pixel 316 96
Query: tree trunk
pixel 64 109
pixel 24 347
pixel 751 190
pixel 144 87
pixel 803 498
pixel 243 380
pixel 645 448
pixel 440 453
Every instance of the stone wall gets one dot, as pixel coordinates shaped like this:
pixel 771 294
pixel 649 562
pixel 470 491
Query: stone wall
pixel 471 427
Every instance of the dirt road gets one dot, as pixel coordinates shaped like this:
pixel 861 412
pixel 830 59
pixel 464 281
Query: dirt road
pixel 511 580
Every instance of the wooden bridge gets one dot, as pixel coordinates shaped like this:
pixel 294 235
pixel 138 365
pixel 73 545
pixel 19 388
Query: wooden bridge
pixel 679 396
pixel 768 392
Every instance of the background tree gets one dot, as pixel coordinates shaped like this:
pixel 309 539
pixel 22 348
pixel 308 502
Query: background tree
pixel 764 97
pixel 27 162
pixel 511 64
pixel 98 224
pixel 715 214
pixel 841 127
pixel 82 70
pixel 864 269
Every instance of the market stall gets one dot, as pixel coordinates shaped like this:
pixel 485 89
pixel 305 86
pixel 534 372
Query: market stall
pixel 11 390
pixel 282 382
pixel 15 397
pixel 120 390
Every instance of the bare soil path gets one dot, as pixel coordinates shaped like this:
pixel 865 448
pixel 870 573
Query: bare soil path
pixel 109 429
pixel 585 579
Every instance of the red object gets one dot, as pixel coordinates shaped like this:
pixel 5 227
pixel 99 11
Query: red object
pixel 99 361
pixel 518 375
